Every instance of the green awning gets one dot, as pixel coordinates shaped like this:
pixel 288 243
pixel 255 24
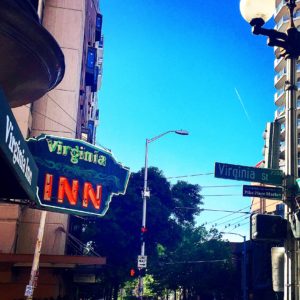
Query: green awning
pixel 18 171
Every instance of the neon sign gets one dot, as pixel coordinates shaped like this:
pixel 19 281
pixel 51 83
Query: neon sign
pixel 76 177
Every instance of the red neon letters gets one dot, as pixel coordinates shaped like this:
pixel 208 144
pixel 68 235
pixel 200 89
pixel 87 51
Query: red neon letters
pixel 65 190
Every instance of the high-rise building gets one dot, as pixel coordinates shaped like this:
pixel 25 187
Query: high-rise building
pixel 70 110
pixel 281 17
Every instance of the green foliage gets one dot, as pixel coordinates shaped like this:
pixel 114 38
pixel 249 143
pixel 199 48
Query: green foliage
pixel 186 198
pixel 172 240
pixel 201 263
pixel 117 235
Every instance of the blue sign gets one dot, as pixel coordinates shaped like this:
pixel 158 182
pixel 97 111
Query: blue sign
pixel 262 192
pixel 244 173
pixel 76 177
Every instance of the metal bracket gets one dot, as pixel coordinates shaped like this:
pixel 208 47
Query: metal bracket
pixel 146 193
pixel 290 87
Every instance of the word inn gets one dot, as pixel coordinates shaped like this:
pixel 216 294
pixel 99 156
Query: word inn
pixel 65 190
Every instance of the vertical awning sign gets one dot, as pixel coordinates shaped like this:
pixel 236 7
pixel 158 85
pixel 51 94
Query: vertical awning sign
pixel 18 171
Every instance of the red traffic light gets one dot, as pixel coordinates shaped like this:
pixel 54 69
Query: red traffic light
pixel 144 229
pixel 132 272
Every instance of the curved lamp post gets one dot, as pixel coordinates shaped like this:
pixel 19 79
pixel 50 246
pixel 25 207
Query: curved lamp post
pixel 146 193
pixel 244 265
pixel 257 12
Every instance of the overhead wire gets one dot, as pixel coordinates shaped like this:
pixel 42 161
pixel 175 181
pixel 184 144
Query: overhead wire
pixel 238 222
pixel 222 195
pixel 227 215
pixel 220 186
pixel 224 222
pixel 191 175
pixel 39 113
pixel 61 108
pixel 243 224
pixel 239 217
pixel 234 224
pixel 229 222
pixel 222 210
pixel 46 130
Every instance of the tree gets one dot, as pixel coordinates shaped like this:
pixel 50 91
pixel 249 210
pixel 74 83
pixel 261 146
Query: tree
pixel 117 235
pixel 187 199
pixel 201 265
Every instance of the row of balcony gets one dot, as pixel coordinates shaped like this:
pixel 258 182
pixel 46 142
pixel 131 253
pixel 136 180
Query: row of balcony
pixel 282 154
pixel 282 146
pixel 284 21
pixel 280 77
pixel 282 129
pixel 281 9
pixel 280 112
pixel 279 96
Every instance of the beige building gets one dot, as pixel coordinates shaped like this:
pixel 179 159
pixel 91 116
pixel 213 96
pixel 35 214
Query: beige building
pixel 69 110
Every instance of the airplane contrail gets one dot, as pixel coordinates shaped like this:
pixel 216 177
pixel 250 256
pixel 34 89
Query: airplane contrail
pixel 242 103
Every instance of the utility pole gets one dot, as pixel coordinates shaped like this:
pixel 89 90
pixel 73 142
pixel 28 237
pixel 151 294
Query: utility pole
pixel 145 195
pixel 291 172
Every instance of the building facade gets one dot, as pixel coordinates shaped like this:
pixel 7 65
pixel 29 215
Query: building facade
pixel 281 17
pixel 70 110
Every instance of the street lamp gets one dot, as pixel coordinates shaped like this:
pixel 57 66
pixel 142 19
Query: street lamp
pixel 255 9
pixel 258 12
pixel 244 264
pixel 146 193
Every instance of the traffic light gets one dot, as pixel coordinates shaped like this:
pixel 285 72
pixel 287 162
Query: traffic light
pixel 138 272
pixel 268 227
pixel 132 272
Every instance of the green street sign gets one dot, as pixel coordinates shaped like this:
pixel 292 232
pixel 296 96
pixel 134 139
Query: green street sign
pixel 244 173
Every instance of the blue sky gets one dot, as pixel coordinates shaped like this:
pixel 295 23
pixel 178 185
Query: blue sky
pixel 190 65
